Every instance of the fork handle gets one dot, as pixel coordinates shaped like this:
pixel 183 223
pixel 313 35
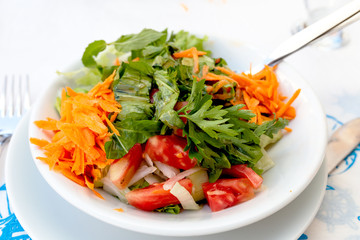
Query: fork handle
pixel 336 20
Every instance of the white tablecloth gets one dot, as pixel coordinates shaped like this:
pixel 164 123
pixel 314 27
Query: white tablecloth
pixel 40 37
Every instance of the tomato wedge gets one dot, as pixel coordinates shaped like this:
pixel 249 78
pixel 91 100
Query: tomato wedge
pixel 122 170
pixel 154 196
pixel 225 193
pixel 169 149
pixel 178 106
pixel 241 170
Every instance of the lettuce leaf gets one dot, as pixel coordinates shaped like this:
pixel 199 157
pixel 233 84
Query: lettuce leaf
pixel 91 51
pixel 131 132
pixel 138 41
pixel 183 40
pixel 166 98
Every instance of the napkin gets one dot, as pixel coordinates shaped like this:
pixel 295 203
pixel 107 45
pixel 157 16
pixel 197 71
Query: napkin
pixel 10 227
pixel 339 213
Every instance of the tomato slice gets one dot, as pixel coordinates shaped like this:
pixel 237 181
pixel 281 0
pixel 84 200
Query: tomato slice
pixel 154 196
pixel 152 93
pixel 242 170
pixel 169 149
pixel 225 193
pixel 178 106
pixel 122 170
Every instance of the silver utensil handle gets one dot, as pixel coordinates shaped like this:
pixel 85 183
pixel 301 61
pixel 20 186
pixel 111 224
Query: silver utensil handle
pixel 334 21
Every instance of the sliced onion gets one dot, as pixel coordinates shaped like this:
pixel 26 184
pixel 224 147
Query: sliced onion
pixel 184 197
pixel 148 160
pixel 110 187
pixel 160 174
pixel 141 173
pixel 151 179
pixel 167 170
pixel 170 182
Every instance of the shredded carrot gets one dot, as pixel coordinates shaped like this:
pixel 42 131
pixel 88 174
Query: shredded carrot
pixel 77 141
pixel 117 62
pixel 288 129
pixel 281 111
pixel 205 71
pixel 191 53
pixel 39 142
pixel 258 91
pixel 97 194
pixel 119 209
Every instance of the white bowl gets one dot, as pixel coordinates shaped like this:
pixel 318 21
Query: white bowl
pixel 298 156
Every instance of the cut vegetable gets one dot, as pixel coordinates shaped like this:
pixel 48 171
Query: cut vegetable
pixel 122 170
pixel 75 149
pixel 184 197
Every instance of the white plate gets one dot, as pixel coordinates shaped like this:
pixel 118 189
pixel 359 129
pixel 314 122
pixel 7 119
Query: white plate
pixel 298 157
pixel 45 215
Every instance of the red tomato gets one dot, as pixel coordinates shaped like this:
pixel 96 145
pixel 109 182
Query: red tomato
pixel 151 95
pixel 178 106
pixel 169 149
pixel 154 196
pixel 242 170
pixel 122 170
pixel 225 193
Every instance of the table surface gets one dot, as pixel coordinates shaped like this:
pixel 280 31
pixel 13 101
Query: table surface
pixel 41 37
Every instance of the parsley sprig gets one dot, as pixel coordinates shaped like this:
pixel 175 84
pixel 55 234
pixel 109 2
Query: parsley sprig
pixel 218 136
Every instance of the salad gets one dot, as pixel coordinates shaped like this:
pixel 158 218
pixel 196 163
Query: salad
pixel 158 122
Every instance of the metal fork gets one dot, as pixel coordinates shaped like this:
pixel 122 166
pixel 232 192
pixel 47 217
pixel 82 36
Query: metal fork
pixel 14 102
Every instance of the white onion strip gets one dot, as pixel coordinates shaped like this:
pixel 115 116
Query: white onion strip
pixel 110 187
pixel 170 182
pixel 151 179
pixel 141 173
pixel 167 170
pixel 160 175
pixel 148 160
pixel 184 197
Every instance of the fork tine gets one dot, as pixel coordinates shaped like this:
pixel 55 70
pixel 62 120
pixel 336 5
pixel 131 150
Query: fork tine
pixel 9 107
pixel 3 97
pixel 16 95
pixel 10 95
pixel 26 102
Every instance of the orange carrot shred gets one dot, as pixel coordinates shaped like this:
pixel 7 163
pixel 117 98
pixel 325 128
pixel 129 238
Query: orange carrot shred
pixel 77 141
pixel 281 111
pixel 288 129
pixel 258 91
pixel 191 53
pixel 98 194
pixel 39 142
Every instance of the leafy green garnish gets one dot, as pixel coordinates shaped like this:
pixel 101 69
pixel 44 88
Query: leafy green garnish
pixel 131 132
pixel 271 127
pixel 183 40
pixel 137 41
pixel 92 50
pixel 173 209
pixel 166 98
pixel 139 184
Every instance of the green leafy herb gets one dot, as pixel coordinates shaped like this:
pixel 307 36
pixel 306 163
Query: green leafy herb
pixel 166 98
pixel 92 50
pixel 138 41
pixel 131 132
pixel 173 209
